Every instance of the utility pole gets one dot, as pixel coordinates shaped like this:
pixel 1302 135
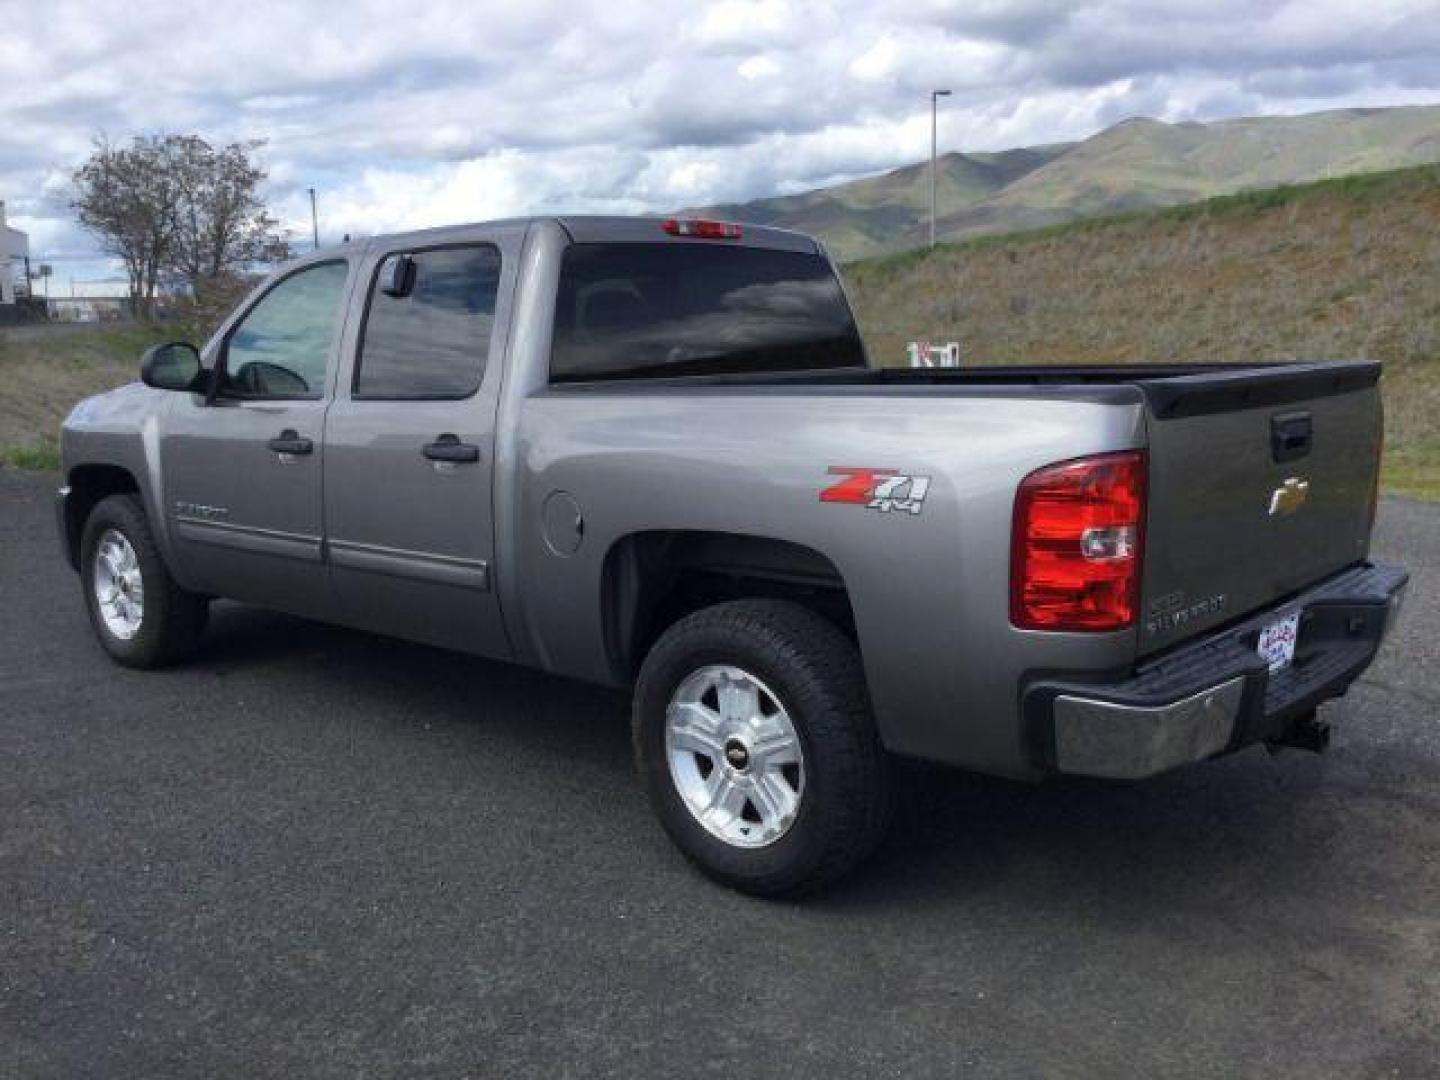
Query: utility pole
pixel 314 221
pixel 935 95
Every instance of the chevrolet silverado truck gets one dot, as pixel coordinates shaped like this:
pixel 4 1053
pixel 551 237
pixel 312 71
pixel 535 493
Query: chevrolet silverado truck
pixel 651 454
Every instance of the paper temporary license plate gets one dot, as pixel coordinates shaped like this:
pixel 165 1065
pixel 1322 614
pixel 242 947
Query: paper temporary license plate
pixel 1277 641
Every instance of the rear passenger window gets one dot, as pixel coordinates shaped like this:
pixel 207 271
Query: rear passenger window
pixel 431 342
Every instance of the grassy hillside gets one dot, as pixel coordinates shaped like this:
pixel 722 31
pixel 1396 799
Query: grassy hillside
pixel 44 370
pixel 1137 164
pixel 1339 269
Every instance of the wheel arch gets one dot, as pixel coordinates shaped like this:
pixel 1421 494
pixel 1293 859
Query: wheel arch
pixel 651 579
pixel 89 484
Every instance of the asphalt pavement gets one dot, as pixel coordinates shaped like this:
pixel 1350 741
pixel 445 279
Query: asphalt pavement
pixel 313 852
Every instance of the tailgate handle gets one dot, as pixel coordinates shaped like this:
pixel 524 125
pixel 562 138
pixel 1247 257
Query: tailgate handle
pixel 1290 436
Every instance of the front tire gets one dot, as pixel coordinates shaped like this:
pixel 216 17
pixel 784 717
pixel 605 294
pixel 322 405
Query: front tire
pixel 754 739
pixel 142 618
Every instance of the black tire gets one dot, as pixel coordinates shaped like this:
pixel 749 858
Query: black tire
pixel 815 672
pixel 172 619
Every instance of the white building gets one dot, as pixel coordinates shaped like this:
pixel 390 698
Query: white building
pixel 14 247
pixel 92 300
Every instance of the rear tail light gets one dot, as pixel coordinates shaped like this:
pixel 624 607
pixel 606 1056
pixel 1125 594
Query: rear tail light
pixel 702 230
pixel 1076 546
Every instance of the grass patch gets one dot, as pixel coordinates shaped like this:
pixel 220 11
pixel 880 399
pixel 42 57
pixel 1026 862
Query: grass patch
pixel 45 370
pixel 1413 470
pixel 44 457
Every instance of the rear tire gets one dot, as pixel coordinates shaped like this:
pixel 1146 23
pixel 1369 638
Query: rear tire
pixel 719 698
pixel 142 618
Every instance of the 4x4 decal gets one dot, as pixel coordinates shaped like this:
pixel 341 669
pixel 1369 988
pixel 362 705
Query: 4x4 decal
pixel 877 489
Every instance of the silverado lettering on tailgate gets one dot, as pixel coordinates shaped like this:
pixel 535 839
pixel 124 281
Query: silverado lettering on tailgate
pixel 1171 611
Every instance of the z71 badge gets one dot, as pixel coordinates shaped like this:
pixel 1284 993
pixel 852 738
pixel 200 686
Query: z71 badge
pixel 878 489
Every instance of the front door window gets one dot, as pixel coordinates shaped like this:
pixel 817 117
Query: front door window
pixel 280 349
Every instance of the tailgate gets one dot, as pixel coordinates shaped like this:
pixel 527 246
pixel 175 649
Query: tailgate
pixel 1261 482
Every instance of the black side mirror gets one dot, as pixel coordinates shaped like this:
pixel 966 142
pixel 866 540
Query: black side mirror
pixel 173 366
pixel 397 275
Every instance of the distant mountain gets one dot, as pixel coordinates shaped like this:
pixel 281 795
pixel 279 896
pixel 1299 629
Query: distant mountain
pixel 1136 164
pixel 868 216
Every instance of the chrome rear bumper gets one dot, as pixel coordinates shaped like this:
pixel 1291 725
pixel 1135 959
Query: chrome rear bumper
pixel 1102 738
pixel 1216 694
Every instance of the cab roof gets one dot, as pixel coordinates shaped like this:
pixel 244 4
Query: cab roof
pixel 594 229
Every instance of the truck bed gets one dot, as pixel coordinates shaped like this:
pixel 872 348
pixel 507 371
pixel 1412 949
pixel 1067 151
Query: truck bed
pixel 1230 448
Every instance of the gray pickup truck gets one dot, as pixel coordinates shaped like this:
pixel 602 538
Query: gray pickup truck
pixel 651 453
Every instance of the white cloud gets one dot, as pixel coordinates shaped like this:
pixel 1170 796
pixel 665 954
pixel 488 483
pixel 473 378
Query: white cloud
pixel 455 111
pixel 877 62
pixel 746 23
pixel 758 67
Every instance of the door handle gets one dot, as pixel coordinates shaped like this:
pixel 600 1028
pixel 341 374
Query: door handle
pixel 290 442
pixel 450 448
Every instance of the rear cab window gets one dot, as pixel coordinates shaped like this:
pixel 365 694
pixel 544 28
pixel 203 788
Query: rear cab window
pixel 432 342
pixel 659 310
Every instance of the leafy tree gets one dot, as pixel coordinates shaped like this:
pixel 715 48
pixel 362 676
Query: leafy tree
pixel 125 196
pixel 222 227
pixel 175 207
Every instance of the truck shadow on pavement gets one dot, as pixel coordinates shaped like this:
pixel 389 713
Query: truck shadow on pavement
pixel 1211 838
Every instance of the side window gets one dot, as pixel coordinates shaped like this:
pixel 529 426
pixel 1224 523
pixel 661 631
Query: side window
pixel 280 348
pixel 432 342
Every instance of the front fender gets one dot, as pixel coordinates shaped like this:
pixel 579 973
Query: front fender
pixel 121 430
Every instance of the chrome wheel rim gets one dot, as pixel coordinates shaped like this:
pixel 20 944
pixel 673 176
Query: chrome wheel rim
pixel 735 756
pixel 119 587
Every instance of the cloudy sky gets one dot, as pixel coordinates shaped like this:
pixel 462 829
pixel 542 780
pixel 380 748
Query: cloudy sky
pixel 411 115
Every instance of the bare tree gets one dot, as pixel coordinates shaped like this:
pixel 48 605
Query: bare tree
pixel 173 206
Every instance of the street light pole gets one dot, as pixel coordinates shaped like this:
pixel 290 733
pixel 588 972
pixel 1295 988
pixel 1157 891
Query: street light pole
pixel 935 95
pixel 314 221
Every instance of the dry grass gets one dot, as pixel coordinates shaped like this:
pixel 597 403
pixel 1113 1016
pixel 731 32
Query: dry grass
pixel 45 370
pixel 1346 269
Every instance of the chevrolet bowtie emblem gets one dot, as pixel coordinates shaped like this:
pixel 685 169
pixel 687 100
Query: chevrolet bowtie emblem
pixel 1289 496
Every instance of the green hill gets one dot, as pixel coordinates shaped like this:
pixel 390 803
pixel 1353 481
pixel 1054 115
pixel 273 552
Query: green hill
pixel 1338 269
pixel 867 216
pixel 1136 164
